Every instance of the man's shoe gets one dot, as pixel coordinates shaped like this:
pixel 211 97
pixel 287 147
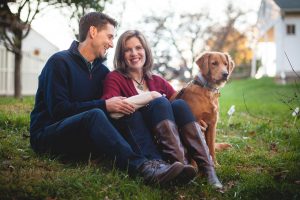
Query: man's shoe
pixel 158 171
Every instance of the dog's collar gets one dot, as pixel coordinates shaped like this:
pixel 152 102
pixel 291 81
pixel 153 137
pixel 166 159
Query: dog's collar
pixel 200 80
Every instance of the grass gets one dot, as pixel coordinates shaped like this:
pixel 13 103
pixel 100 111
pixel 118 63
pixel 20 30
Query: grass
pixel 264 162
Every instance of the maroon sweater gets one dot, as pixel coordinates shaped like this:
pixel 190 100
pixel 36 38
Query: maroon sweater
pixel 117 84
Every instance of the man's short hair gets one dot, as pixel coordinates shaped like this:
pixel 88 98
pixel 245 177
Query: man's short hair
pixel 97 19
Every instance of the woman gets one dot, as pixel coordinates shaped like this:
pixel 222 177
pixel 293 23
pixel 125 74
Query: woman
pixel 133 63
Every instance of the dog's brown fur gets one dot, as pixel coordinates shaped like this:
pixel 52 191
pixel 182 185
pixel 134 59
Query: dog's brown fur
pixel 215 68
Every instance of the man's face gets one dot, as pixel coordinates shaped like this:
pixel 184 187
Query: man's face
pixel 102 40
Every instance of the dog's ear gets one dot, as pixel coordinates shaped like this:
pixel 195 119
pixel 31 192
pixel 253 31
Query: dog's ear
pixel 203 63
pixel 230 62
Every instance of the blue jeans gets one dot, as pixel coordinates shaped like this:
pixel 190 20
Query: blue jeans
pixel 138 135
pixel 161 109
pixel 86 132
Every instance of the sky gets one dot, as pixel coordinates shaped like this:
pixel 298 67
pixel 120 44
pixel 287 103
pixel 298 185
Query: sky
pixel 55 27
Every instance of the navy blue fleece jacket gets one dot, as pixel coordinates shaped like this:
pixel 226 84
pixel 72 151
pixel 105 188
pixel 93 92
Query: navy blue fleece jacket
pixel 67 87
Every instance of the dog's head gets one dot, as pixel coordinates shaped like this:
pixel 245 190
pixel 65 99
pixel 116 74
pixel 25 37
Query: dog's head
pixel 215 67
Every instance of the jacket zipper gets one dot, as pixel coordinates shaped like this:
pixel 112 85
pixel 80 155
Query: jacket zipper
pixel 90 77
pixel 90 73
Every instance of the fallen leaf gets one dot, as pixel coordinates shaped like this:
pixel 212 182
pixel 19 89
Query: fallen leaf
pixel 252 133
pixel 227 186
pixel 11 168
pixel 281 175
pixel 273 147
pixel 25 157
pixel 51 198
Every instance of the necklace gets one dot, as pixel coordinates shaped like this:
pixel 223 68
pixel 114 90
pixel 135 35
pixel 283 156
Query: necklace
pixel 139 84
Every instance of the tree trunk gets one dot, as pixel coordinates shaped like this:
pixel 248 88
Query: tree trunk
pixel 18 77
pixel 18 61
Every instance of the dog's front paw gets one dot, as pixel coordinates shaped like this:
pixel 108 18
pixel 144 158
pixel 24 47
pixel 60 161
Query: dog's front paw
pixel 222 146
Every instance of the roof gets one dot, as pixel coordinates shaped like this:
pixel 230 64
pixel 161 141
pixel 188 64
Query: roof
pixel 288 5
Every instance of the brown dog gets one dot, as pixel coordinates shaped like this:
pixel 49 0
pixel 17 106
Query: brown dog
pixel 202 94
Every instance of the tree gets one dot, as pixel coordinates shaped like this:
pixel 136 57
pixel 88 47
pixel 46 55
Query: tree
pixel 236 44
pixel 77 8
pixel 14 27
pixel 178 40
pixel 227 38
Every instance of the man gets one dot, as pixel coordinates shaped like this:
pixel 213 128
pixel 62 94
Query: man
pixel 69 117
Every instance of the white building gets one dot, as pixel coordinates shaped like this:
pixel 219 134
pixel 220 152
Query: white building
pixel 278 32
pixel 36 50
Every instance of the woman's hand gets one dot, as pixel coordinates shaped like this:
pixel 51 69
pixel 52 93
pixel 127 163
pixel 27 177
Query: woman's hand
pixel 203 125
pixel 118 105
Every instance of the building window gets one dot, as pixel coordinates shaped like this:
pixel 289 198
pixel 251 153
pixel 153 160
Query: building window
pixel 36 52
pixel 290 29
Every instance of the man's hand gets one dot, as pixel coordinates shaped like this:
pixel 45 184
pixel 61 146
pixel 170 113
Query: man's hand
pixel 118 105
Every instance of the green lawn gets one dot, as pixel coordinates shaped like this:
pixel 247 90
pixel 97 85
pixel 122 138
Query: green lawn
pixel 264 162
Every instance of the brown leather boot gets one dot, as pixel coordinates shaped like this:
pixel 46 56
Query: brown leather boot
pixel 167 136
pixel 197 148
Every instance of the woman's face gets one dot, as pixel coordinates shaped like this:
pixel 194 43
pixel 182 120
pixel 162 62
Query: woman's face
pixel 135 56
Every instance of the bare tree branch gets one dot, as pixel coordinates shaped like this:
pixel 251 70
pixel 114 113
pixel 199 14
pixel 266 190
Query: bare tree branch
pixel 13 28
pixel 291 65
pixel 252 115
